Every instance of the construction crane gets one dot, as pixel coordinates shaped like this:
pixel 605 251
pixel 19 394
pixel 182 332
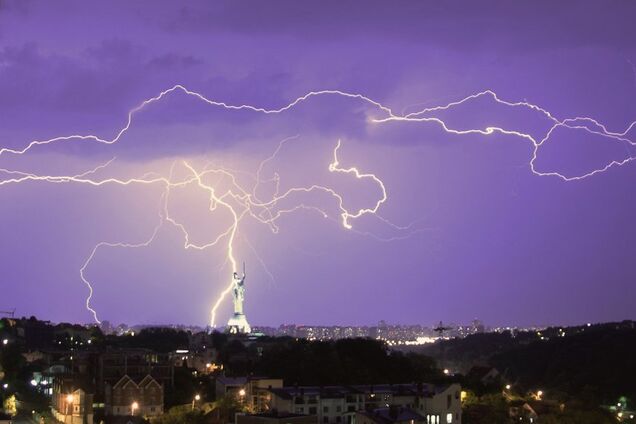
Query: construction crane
pixel 440 329
pixel 10 313
pixel 440 332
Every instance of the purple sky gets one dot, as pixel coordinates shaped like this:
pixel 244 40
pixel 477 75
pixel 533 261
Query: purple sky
pixel 489 238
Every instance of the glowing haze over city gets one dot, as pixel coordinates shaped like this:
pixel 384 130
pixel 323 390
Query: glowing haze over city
pixel 395 161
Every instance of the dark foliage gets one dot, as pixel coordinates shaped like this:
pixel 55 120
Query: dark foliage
pixel 157 339
pixel 595 365
pixel 348 361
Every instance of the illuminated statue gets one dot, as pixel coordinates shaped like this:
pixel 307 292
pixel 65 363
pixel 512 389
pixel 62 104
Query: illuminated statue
pixel 238 289
pixel 238 322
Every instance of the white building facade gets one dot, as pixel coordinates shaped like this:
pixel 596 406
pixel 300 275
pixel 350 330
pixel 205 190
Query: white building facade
pixel 339 404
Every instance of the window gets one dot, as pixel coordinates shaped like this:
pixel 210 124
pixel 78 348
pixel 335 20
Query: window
pixel 325 420
pixel 152 409
pixel 300 410
pixel 449 418
pixel 449 401
pixel 351 408
pixel 338 408
pixel 325 409
pixel 338 419
pixel 313 410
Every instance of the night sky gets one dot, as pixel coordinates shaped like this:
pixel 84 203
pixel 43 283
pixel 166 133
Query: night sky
pixel 469 229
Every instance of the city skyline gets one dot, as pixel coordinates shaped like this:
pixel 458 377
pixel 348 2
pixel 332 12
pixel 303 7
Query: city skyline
pixel 463 173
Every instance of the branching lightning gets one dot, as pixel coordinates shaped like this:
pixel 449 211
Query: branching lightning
pixel 241 201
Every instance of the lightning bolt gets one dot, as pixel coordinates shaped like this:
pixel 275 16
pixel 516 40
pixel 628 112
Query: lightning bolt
pixel 576 123
pixel 240 201
pixel 346 216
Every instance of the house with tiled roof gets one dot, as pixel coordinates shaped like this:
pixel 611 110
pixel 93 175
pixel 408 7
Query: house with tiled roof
pixel 127 397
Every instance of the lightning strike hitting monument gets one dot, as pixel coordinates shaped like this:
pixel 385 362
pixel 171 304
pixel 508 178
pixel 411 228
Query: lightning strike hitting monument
pixel 238 322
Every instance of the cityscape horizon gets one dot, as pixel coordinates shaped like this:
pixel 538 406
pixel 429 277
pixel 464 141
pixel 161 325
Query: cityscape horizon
pixel 485 327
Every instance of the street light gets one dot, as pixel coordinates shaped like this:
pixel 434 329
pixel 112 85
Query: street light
pixel 197 398
pixel 5 342
pixel 507 386
pixel 242 393
pixel 69 400
pixel 134 406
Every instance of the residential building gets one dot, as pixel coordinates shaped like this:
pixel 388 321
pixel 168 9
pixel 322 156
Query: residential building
pixel 253 391
pixel 203 361
pixel 521 410
pixel 126 397
pixel 339 404
pixel 390 415
pixel 72 401
pixel 229 385
pixel 275 417
pixel 5 418
pixel 114 364
pixel 258 395
pixel 483 374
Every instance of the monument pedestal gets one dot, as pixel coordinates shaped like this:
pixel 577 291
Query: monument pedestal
pixel 238 324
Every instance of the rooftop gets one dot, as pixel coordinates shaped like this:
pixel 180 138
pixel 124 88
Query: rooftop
pixel 392 415
pixel 421 389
